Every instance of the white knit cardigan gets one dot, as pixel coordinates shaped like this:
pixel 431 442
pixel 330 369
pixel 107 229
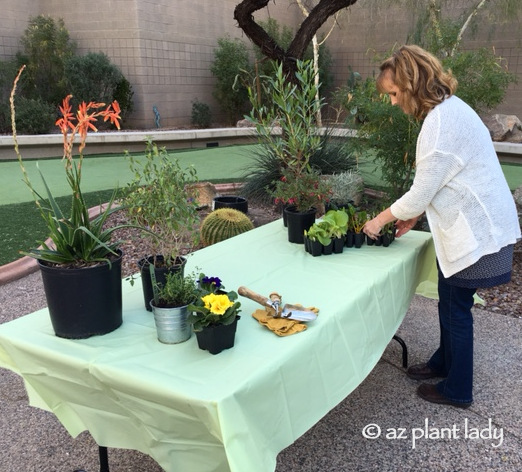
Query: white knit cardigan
pixel 460 185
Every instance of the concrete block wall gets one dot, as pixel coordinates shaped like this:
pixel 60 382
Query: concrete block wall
pixel 165 48
pixel 364 31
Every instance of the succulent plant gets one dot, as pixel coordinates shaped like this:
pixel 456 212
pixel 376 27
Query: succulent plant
pixel 222 224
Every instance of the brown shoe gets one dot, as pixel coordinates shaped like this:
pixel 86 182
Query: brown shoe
pixel 421 372
pixel 430 393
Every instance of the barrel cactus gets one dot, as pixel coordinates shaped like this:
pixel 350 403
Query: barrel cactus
pixel 222 224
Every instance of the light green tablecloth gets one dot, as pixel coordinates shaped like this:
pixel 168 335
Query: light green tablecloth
pixel 235 411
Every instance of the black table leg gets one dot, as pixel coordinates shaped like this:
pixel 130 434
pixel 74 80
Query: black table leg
pixel 404 350
pixel 104 460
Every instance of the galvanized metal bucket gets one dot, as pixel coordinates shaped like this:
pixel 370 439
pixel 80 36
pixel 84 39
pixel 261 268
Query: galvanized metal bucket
pixel 171 324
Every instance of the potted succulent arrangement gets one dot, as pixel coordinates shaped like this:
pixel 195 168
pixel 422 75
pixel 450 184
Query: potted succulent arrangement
pixel 157 200
pixel 81 268
pixel 214 315
pixel 287 125
pixel 170 306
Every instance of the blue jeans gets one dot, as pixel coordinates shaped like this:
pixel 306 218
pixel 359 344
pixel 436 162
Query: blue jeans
pixel 454 357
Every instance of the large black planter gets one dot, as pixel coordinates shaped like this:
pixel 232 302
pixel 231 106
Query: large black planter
pixel 231 201
pixel 83 302
pixel 298 223
pixel 160 272
pixel 215 339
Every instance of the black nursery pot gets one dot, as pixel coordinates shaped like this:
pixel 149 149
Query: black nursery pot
pixel 231 201
pixel 358 239
pixel 160 273
pixel 298 223
pixel 83 302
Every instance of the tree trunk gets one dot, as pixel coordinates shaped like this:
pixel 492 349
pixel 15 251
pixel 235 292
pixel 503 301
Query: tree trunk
pixel 243 14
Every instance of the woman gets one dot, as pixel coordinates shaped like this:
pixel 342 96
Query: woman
pixel 460 186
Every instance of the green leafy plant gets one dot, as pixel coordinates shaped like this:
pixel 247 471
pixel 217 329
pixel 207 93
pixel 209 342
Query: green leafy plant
pixel 230 57
pixel 201 114
pixel 319 231
pixel 178 290
pixel 92 77
pixel 337 221
pixel 157 199
pixel 305 191
pixel 359 219
pixel 214 305
pixel 77 240
pixel 286 124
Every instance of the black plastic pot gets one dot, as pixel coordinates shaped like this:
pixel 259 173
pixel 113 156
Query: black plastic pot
pixel 231 201
pixel 160 272
pixel 83 302
pixel 298 223
pixel 215 339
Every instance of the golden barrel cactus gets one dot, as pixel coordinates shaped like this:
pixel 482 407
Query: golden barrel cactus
pixel 222 224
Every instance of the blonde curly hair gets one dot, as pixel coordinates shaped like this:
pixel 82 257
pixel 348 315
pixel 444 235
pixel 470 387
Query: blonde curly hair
pixel 420 77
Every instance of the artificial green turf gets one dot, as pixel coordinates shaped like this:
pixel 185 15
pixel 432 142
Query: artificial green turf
pixel 23 228
pixel 221 164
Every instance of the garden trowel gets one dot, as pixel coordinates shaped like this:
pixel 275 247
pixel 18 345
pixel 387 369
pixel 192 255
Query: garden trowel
pixel 292 312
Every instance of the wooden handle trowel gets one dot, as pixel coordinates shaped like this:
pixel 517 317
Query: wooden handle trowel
pixel 292 312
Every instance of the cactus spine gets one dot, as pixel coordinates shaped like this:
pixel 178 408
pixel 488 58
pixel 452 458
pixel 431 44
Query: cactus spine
pixel 222 224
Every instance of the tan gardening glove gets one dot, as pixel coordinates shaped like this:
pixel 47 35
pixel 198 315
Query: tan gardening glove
pixel 280 326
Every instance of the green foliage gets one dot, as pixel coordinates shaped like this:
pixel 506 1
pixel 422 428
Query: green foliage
pixel 34 116
pixel 123 94
pixel 306 190
pixel 347 187
pixel 157 199
pixel 93 77
pixel 266 167
pixel 47 47
pixel 222 224
pixel 178 290
pixel 482 78
pixel 230 58
pixel 22 225
pixel 292 107
pixel 201 114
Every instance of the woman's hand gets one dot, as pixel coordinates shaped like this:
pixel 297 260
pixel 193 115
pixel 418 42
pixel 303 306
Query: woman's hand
pixel 403 226
pixel 373 228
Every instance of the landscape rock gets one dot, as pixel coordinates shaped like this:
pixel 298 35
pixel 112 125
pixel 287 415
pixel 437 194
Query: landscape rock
pixel 244 124
pixel 504 127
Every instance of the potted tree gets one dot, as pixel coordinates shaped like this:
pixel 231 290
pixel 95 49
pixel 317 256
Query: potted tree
pixel 81 268
pixel 214 315
pixel 170 306
pixel 157 199
pixel 286 124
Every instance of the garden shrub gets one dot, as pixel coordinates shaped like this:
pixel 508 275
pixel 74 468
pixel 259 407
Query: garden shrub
pixel 230 58
pixel 201 114
pixel 34 116
pixel 93 77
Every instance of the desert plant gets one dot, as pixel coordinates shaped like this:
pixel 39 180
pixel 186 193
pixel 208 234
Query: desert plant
pixel 77 240
pixel 347 187
pixel 222 224
pixel 157 199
